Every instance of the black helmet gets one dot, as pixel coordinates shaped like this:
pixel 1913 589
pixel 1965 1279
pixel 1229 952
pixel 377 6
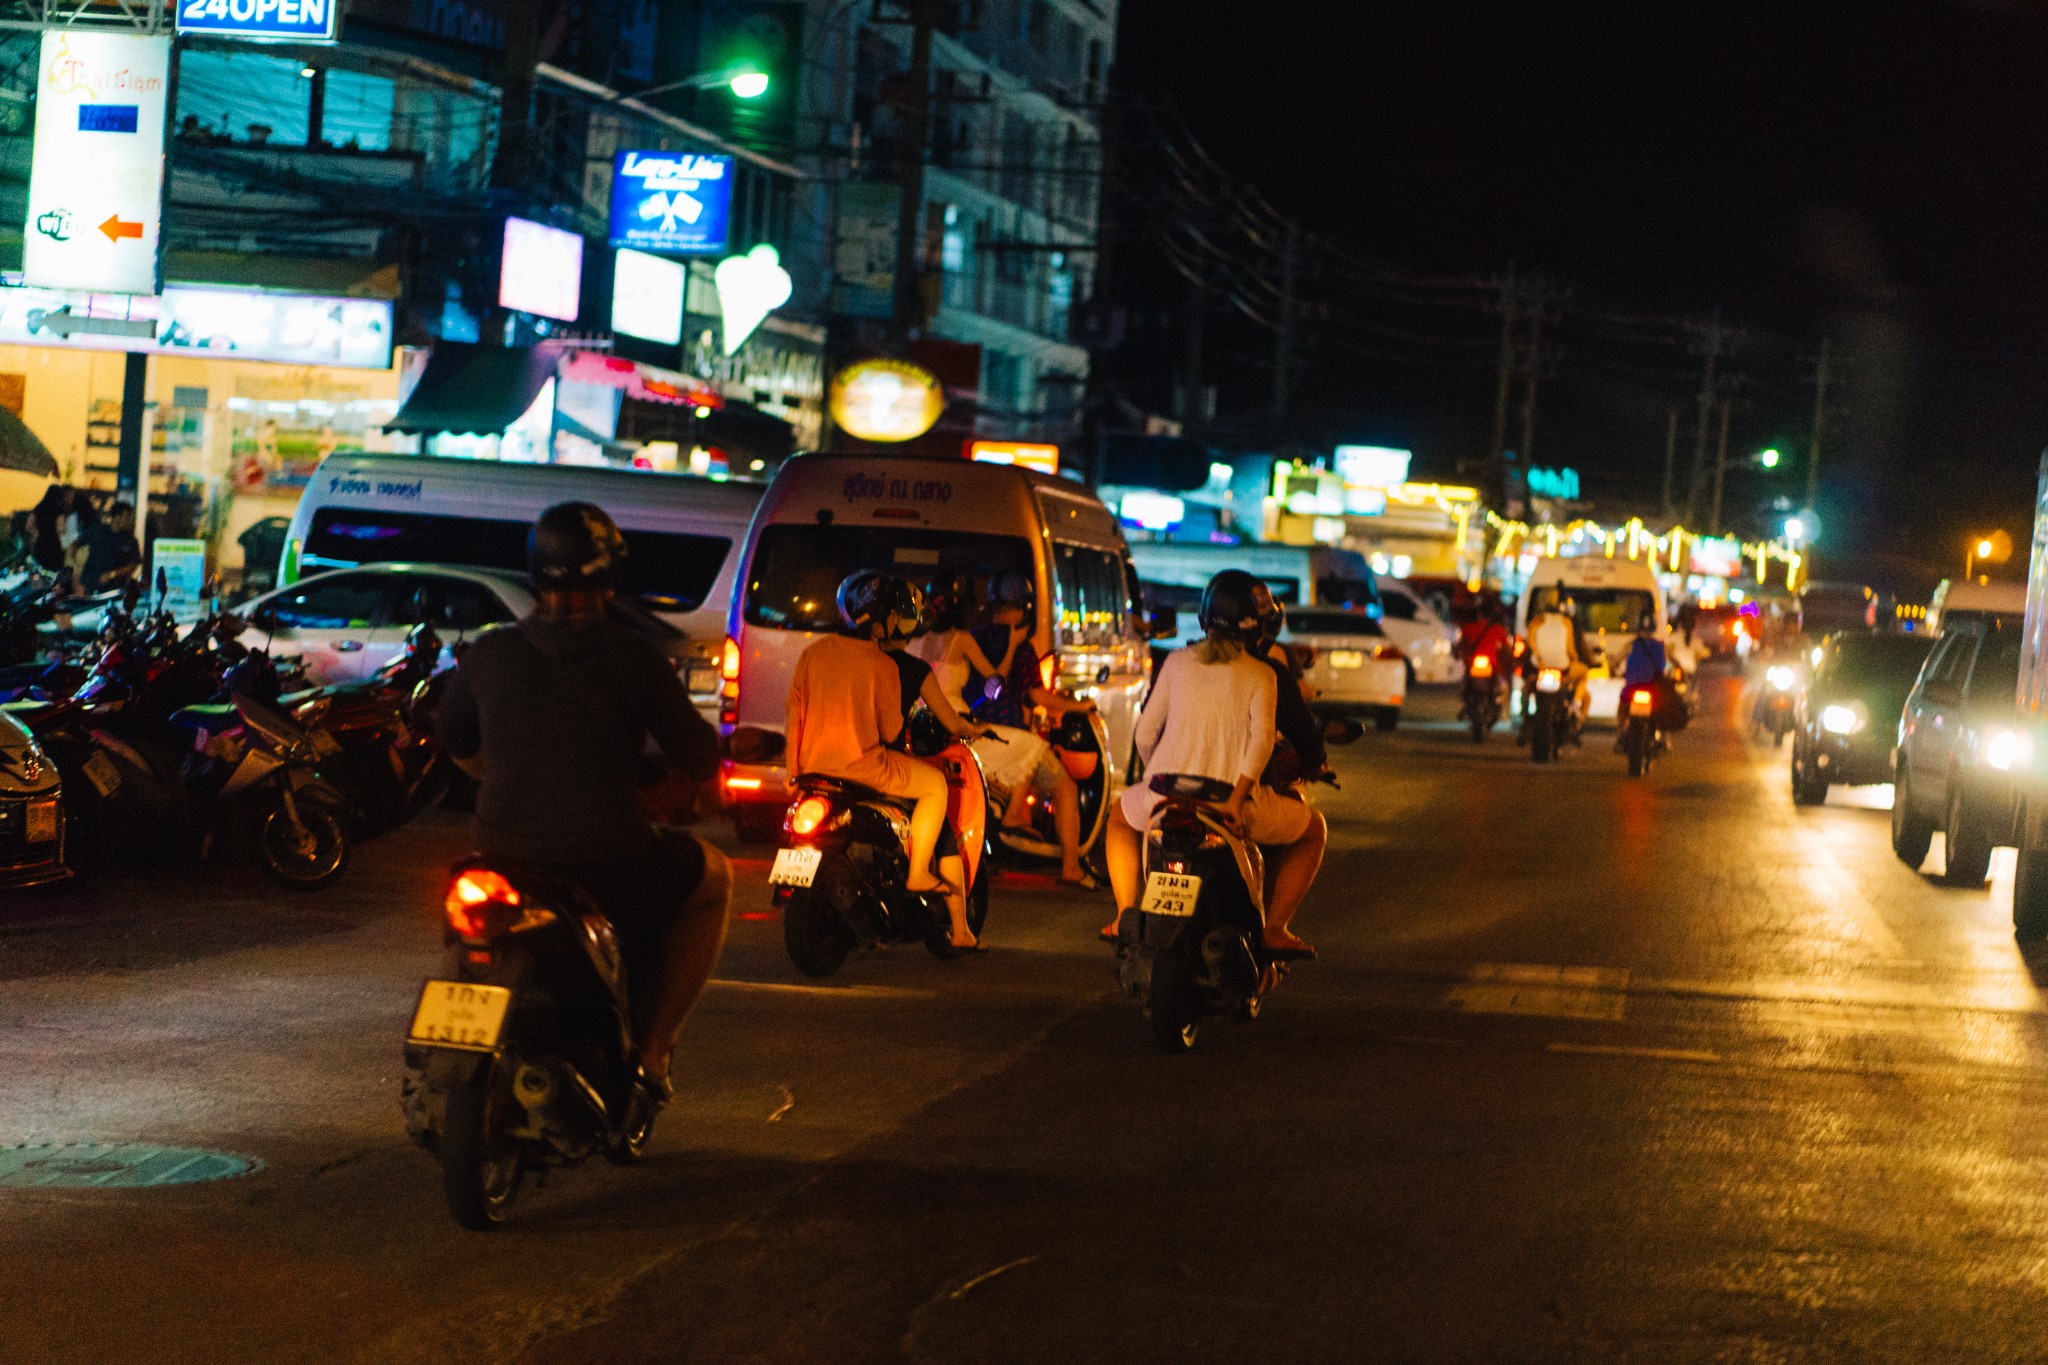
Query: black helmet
pixel 1013 589
pixel 870 596
pixel 1272 616
pixel 1230 605
pixel 575 545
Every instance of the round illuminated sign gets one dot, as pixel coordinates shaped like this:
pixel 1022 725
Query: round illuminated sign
pixel 886 400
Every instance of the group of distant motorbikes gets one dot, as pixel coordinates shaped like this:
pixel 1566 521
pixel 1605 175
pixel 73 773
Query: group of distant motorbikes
pixel 128 734
pixel 1553 718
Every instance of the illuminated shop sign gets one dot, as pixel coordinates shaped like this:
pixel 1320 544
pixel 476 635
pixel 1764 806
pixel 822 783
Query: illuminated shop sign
pixel 678 202
pixel 232 324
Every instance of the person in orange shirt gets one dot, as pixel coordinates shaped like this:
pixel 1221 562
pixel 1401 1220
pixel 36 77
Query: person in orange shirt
pixel 846 708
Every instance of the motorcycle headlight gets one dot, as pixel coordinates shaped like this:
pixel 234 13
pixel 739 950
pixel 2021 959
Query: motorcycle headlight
pixel 1842 720
pixel 2008 749
pixel 1781 677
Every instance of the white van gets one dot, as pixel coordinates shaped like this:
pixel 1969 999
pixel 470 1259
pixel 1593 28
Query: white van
pixel 683 534
pixel 1609 598
pixel 1955 603
pixel 826 516
pixel 1299 575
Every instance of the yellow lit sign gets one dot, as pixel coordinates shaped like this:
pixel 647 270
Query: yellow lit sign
pixel 1043 458
pixel 886 400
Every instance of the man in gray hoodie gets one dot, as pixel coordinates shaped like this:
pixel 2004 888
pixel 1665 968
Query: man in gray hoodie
pixel 556 710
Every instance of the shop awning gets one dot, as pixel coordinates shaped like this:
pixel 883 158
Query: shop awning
pixel 22 449
pixel 467 388
pixel 649 383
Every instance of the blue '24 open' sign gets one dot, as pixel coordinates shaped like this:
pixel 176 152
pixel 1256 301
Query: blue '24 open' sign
pixel 303 21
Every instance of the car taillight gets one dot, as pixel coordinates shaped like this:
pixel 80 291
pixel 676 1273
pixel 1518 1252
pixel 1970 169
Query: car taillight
pixel 810 814
pixel 467 896
pixel 1388 653
pixel 729 682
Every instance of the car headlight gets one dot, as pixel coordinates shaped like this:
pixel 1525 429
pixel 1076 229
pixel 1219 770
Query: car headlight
pixel 1841 720
pixel 1781 677
pixel 2008 749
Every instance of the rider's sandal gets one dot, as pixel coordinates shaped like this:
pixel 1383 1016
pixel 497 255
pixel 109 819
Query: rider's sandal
pixel 1299 952
pixel 1084 882
pixel 661 1088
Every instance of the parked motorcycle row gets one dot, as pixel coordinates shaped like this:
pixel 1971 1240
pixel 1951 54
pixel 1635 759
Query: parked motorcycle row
pixel 126 734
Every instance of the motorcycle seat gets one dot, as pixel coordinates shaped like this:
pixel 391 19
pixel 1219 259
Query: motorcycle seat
pixel 848 790
pixel 1190 787
pixel 207 716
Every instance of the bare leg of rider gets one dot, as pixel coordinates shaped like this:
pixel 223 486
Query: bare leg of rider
pixel 955 872
pixel 1066 810
pixel 927 786
pixel 687 960
pixel 1120 851
pixel 1292 870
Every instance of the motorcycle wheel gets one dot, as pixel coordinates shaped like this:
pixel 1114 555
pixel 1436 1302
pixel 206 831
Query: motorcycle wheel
pixel 1541 736
pixel 1176 1008
pixel 817 939
pixel 630 1142
pixel 977 899
pixel 1481 722
pixel 480 1169
pixel 308 856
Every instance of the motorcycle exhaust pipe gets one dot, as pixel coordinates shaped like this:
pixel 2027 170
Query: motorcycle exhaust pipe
pixel 546 1092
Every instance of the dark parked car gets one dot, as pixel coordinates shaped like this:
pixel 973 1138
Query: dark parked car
pixel 1959 742
pixel 1847 719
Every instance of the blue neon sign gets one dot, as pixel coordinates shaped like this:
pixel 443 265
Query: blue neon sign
pixel 677 202
pixel 302 21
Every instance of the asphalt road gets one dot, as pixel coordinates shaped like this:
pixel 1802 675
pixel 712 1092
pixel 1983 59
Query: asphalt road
pixel 1589 1070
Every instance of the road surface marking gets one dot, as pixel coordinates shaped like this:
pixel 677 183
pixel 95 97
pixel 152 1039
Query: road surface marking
pixel 788 1103
pixel 843 992
pixel 985 1276
pixel 1664 1054
pixel 1545 990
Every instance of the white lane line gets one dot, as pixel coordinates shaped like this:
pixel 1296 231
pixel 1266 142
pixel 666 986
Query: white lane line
pixel 828 992
pixel 964 1290
pixel 1545 990
pixel 1662 1054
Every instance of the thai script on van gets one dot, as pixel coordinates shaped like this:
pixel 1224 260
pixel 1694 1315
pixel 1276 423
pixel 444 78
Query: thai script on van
pixel 383 488
pixel 858 486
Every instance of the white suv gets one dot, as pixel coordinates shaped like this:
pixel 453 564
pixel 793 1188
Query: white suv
pixel 1426 638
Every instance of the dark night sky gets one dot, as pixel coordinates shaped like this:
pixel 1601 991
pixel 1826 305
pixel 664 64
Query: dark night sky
pixel 1875 171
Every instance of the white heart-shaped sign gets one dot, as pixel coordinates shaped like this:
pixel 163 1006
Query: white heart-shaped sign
pixel 750 287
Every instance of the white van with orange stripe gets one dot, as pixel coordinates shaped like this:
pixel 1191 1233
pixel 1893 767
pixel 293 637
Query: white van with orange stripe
pixel 826 516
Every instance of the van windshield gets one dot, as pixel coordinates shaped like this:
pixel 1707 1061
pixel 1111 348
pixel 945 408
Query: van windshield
pixel 666 570
pixel 1618 611
pixel 794 581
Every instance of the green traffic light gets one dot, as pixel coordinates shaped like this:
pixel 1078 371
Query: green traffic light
pixel 749 85
pixel 1769 459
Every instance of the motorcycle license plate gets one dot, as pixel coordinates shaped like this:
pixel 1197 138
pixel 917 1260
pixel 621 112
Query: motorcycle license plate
pixel 1347 658
pixel 1169 893
pixel 101 772
pixel 702 680
pixel 460 1015
pixel 795 867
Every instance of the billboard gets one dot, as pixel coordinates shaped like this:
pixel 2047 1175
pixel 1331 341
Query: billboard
pixel 96 185
pixel 541 271
pixel 678 202
pixel 647 297
pixel 212 320
pixel 300 21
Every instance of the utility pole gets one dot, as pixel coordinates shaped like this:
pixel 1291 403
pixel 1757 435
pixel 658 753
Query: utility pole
pixel 1283 340
pixel 916 115
pixel 1720 471
pixel 1532 371
pixel 1496 468
pixel 1697 485
pixel 1189 408
pixel 1820 413
pixel 1670 460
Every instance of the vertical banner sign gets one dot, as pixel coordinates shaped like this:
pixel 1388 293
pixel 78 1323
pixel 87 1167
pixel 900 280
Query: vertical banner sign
pixel 96 187
pixel 183 565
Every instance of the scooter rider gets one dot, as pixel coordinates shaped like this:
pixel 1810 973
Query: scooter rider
pixel 556 710
pixel 1212 713
pixel 1554 643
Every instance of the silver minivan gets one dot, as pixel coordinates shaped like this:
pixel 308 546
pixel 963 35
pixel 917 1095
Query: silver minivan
pixel 826 516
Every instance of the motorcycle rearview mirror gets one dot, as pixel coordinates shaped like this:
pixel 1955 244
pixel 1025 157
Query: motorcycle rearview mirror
pixel 751 744
pixel 992 689
pixel 1341 730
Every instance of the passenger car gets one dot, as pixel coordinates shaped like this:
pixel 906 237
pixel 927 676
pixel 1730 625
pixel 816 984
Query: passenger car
pixel 1959 743
pixel 1846 719
pixel 1428 641
pixel 344 625
pixel 1349 661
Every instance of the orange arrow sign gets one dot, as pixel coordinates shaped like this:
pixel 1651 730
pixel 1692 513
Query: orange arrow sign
pixel 116 229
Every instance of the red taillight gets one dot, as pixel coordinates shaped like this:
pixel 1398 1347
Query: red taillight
pixel 1388 653
pixel 729 682
pixel 467 896
pixel 1482 665
pixel 809 815
pixel 1644 696
pixel 1048 669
